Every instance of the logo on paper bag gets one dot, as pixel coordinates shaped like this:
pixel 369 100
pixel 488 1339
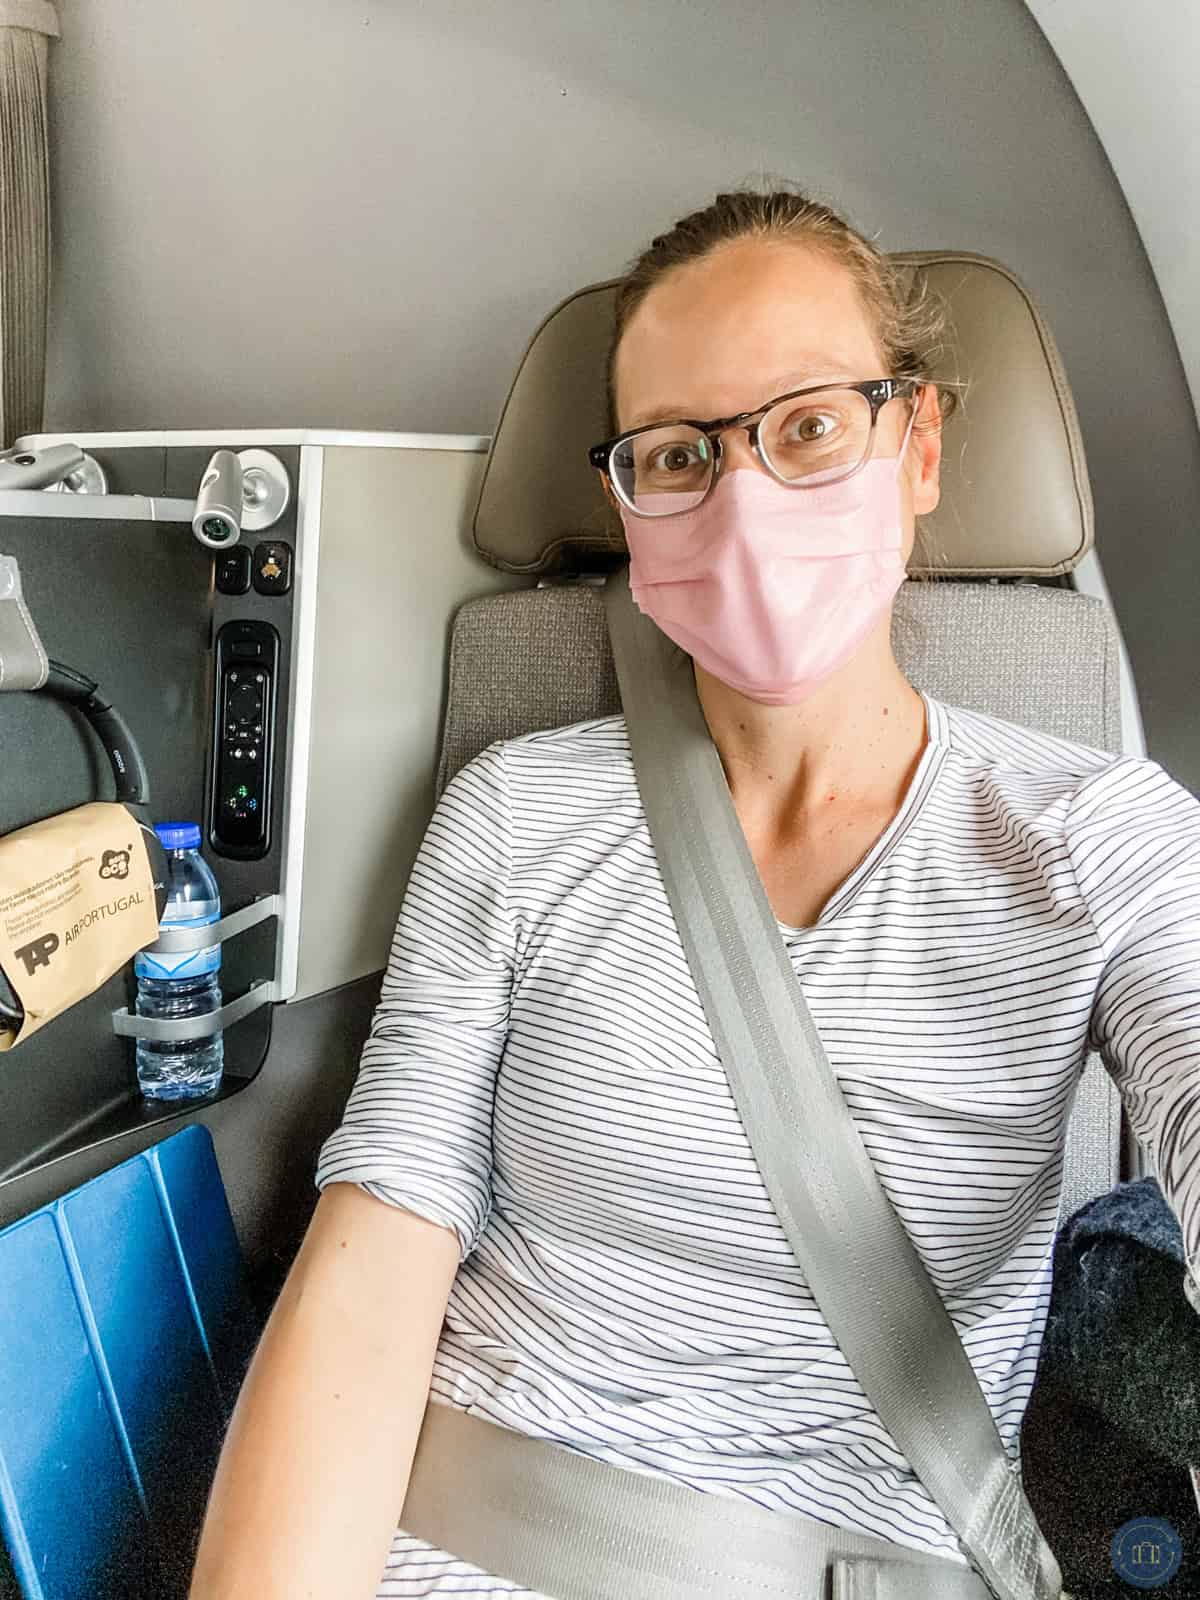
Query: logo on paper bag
pixel 114 864
pixel 38 953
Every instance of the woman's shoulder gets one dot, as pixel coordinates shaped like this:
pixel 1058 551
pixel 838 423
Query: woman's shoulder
pixel 551 773
pixel 595 743
pixel 1094 787
pixel 984 739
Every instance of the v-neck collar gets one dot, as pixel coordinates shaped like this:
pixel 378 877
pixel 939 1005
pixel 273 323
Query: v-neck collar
pixel 920 785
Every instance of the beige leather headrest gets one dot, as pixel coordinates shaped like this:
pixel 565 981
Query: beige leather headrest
pixel 1015 495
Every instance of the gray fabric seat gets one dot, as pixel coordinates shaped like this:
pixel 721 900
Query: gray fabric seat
pixel 1000 629
pixel 541 659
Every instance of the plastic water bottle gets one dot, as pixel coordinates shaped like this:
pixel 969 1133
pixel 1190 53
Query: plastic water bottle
pixel 183 984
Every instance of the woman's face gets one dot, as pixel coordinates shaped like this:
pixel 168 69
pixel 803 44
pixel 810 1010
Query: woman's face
pixel 753 320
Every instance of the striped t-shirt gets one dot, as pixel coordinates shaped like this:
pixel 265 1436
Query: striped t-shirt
pixel 540 1076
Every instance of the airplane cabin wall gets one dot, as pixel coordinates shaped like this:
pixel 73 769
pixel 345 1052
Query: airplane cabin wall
pixel 1134 69
pixel 355 215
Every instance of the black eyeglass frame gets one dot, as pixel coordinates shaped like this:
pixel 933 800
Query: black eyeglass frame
pixel 878 391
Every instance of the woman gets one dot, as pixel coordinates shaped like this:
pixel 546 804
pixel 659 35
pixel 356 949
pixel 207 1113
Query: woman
pixel 968 904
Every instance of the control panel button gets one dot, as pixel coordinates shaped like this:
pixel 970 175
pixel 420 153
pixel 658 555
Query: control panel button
pixel 245 703
pixel 232 570
pixel 272 567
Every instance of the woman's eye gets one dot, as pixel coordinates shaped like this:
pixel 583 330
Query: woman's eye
pixel 674 458
pixel 808 427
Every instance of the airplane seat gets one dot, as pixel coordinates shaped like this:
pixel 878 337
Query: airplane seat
pixel 996 627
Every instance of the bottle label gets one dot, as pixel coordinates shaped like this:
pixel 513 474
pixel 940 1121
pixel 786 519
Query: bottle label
pixel 179 963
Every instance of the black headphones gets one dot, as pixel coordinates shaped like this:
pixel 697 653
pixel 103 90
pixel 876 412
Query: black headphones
pixel 129 774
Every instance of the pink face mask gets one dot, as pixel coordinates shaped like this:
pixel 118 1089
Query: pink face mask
pixel 773 589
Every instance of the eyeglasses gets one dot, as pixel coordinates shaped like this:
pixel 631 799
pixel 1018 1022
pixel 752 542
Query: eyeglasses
pixel 805 439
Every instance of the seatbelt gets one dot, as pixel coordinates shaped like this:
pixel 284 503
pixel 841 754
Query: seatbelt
pixel 862 1267
pixel 563 1523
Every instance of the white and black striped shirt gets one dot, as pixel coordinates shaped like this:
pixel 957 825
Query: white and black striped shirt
pixel 540 1076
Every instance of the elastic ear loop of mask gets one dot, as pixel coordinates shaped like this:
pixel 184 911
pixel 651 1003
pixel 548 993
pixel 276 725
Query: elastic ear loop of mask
pixel 907 436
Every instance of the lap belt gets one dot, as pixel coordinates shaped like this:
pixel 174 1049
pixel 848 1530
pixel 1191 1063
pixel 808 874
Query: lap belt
pixel 564 1524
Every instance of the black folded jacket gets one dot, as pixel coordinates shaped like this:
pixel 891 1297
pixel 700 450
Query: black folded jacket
pixel 1114 1420
pixel 1121 1335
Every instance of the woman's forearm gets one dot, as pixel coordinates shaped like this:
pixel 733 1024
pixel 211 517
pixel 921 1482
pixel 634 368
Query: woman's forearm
pixel 315 1466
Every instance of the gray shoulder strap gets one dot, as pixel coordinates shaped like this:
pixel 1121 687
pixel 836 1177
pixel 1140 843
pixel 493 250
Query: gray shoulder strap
pixel 23 663
pixel 860 1263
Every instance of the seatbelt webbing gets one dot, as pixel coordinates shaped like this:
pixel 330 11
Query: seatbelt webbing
pixel 569 1525
pixel 862 1267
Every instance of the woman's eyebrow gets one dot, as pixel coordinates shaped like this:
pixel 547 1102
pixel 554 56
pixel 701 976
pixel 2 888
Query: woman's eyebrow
pixel 822 371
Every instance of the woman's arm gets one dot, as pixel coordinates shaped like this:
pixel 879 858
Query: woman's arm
pixel 1135 849
pixel 315 1466
pixel 311 1482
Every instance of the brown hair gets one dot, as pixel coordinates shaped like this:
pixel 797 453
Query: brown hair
pixel 910 329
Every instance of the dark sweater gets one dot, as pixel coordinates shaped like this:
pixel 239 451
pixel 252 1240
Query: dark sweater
pixel 1114 1421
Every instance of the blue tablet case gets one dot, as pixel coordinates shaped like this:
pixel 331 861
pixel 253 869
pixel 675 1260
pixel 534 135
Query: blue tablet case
pixel 122 1344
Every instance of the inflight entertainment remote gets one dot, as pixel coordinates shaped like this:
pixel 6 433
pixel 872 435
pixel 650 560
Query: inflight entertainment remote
pixel 247 667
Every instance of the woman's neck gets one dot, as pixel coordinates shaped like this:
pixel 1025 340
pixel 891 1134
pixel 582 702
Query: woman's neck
pixel 851 747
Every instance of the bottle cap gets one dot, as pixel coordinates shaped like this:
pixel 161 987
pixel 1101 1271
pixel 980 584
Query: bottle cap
pixel 178 835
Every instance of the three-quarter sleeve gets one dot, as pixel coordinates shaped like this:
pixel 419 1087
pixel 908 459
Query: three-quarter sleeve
pixel 1133 837
pixel 417 1128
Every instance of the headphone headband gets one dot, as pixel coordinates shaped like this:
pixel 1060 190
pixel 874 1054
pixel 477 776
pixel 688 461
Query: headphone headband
pixel 109 726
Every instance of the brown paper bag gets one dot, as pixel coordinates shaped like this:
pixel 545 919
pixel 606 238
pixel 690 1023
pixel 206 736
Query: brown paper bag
pixel 76 902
